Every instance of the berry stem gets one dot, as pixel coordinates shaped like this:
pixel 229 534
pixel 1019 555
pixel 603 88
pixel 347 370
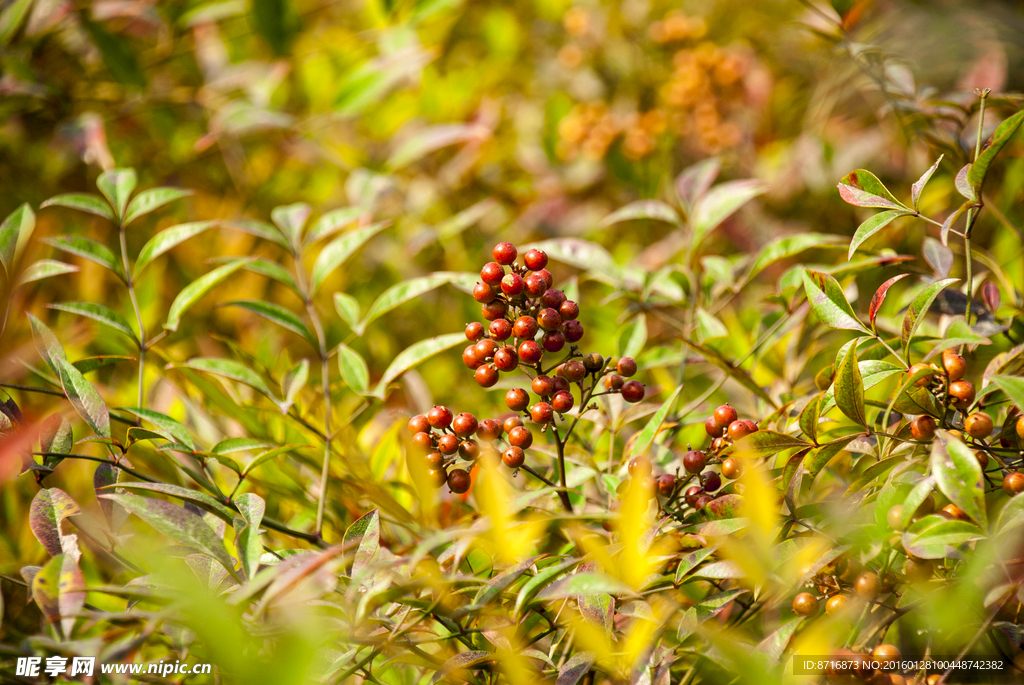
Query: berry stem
pixel 972 213
pixel 130 283
pixel 563 493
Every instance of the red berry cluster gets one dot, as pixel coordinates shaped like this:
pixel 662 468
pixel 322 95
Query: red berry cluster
pixel 520 305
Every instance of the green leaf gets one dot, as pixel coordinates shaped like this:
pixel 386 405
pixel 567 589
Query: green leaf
pixel 765 442
pixel 167 239
pixel 809 417
pixel 10 21
pixel 98 312
pixel 117 186
pixel 460 661
pixel 340 249
pixel 585 583
pixel 279 315
pixel 294 381
pixel 644 440
pixel 181 525
pixel 191 293
pixel 364 534
pixel 397 295
pixel 151 200
pixel 84 397
pixel 735 372
pixel 849 387
pixel 934 537
pixel 413 355
pixel 863 189
pixel 229 368
pixel 691 560
pixel 951 220
pixel 247 540
pixel 267 456
pixel 958 474
pixel 15 231
pixel 330 223
pixel 721 202
pixel 917 495
pixel 829 303
pixel 544 576
pixel 496 585
pixel 117 54
pixel 261 230
pixel 353 369
pixel 59 591
pixel 872 226
pixel 45 268
pixel 90 364
pixel 820 457
pixel 55 436
pixel 775 644
pixel 347 308
pixel 232 445
pixel 453 226
pixel 83 202
pixel 582 254
pixel 1011 516
pixel 273 270
pixel 165 422
pixel 47 344
pixel 918 187
pixel 643 209
pixel 200 499
pixel 48 509
pixel 633 337
pixel 87 249
pixel 963 186
pixel 919 307
pixel 1012 386
pixel 790 246
pixel 872 372
pixel 1002 135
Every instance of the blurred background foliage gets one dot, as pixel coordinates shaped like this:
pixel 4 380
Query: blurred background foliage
pixel 463 123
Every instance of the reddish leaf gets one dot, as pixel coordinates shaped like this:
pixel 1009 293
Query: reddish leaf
pixel 990 293
pixel 879 297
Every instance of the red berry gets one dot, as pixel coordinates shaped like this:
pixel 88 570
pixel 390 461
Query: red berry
pixel 483 293
pixel 448 444
pixel 485 349
pixel 434 460
pixel 548 278
pixel 489 429
pixel 614 381
pixel 520 436
pixel 526 328
pixel 626 367
pixel 500 329
pixel 492 273
pixel 514 457
pixel 535 285
pixel 560 383
pixel 517 399
pixel 543 386
pixel 549 319
pixel 552 298
pixel 486 375
pixel 535 260
pixel 469 449
pixel 593 362
pixel 421 441
pixel 724 415
pixel 713 428
pixel 573 331
pixel 459 481
pixel 741 428
pixel 418 424
pixel 712 482
pixel 512 423
pixel 494 310
pixel 569 310
pixel 691 493
pixel 541 412
pixel 512 285
pixel 553 341
pixel 574 371
pixel 701 502
pixel 437 477
pixel 506 359
pixel 666 484
pixel 505 253
pixel 530 352
pixel 632 391
pixel 562 401
pixel 694 461
pixel 464 425
pixel 440 417
pixel 474 331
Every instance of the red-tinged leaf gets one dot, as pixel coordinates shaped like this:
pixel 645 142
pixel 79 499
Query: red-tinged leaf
pixel 879 297
pixel 990 293
pixel 849 387
pixel 575 669
pixel 690 561
pixel 459 662
pixel 59 591
pixel 49 508
pixel 364 533
pixel 498 583
pixel 107 475
pixel 775 644
pixel 918 187
pixel 695 180
pixel 863 189
pixel 947 225
pixel 724 507
pixel 765 442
